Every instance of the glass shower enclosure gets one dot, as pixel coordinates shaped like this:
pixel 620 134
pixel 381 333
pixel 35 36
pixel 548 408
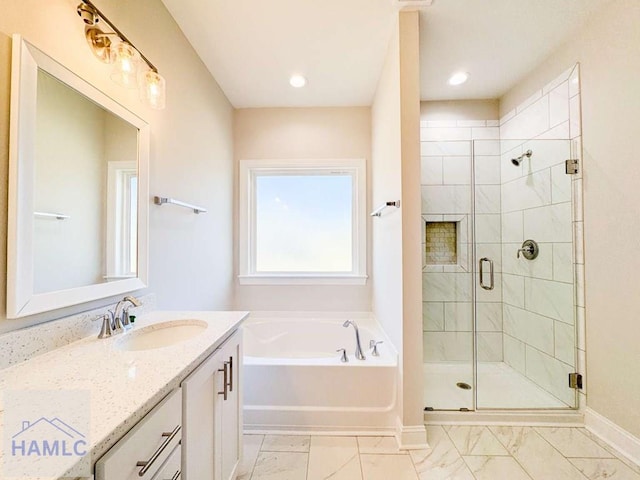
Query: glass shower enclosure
pixel 498 275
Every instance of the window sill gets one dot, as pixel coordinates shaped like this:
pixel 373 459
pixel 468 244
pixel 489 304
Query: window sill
pixel 302 279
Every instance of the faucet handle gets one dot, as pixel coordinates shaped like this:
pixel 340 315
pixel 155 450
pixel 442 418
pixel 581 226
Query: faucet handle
pixel 106 331
pixel 126 322
pixel 116 322
pixel 343 357
pixel 373 345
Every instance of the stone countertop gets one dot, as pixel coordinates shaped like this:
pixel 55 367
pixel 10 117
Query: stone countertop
pixel 121 386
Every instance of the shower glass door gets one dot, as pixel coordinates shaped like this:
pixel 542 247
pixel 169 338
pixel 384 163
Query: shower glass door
pixel 524 323
pixel 498 275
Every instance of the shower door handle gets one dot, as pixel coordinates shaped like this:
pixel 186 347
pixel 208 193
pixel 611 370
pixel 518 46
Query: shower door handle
pixel 491 284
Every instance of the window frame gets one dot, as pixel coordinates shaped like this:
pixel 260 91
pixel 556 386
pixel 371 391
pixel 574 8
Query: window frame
pixel 119 220
pixel 249 169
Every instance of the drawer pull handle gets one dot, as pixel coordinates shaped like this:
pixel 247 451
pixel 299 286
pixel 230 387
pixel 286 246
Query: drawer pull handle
pixel 146 465
pixel 176 475
pixel 225 382
pixel 231 374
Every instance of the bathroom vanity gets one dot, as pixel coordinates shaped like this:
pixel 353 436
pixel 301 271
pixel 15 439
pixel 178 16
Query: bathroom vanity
pixel 164 397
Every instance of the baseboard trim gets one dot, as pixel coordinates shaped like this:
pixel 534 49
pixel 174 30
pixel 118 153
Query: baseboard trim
pixel 411 437
pixel 624 442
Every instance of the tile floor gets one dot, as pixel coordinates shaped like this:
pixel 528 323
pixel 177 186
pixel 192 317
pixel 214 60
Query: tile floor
pixel 456 453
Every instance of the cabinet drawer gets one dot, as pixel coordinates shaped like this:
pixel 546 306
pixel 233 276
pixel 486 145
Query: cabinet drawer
pixel 170 470
pixel 151 440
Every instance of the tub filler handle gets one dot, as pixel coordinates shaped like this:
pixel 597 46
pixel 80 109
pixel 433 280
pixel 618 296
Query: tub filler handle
pixel 373 345
pixel 343 357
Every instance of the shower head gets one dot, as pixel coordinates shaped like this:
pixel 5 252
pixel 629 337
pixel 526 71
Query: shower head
pixel 518 160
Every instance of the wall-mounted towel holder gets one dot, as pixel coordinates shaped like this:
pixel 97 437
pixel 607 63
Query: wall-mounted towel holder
pixel 57 216
pixel 378 211
pixel 162 200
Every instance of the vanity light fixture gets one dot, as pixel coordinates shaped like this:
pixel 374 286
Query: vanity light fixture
pixel 114 47
pixel 297 81
pixel 458 78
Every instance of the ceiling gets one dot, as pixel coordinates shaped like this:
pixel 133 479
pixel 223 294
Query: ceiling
pixel 252 47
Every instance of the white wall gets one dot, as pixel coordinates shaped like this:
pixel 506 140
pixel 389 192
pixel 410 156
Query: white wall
pixel 297 133
pixel 191 145
pixel 608 49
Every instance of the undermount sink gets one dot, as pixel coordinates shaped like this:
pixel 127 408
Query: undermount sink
pixel 162 334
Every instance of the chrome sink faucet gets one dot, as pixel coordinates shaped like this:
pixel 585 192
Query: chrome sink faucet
pixel 112 323
pixel 359 354
pixel 122 321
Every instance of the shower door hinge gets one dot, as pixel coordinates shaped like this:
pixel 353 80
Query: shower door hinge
pixel 571 166
pixel 575 381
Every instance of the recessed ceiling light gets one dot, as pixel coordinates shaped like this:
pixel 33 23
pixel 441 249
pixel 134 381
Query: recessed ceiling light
pixel 458 78
pixel 297 81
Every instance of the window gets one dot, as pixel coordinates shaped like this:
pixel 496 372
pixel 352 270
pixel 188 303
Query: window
pixel 302 221
pixel 122 220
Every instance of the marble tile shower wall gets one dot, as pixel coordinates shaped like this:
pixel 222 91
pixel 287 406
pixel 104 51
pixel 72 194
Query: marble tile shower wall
pixel 539 297
pixel 446 155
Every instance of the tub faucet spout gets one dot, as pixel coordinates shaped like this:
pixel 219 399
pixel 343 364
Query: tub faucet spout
pixel 359 354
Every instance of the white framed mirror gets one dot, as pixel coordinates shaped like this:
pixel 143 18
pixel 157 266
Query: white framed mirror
pixel 78 189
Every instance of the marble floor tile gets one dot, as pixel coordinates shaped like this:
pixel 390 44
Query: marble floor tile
pixel 441 461
pixel 251 448
pixel 493 468
pixel 387 467
pixel 604 468
pixel 539 459
pixel 470 440
pixel 286 443
pixel 633 466
pixel 570 442
pixel 334 458
pixel 379 445
pixel 280 466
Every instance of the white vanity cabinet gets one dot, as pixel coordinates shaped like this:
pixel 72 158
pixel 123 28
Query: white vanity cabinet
pixel 211 403
pixel 145 450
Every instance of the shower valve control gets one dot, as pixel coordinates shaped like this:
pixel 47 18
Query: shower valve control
pixel 529 250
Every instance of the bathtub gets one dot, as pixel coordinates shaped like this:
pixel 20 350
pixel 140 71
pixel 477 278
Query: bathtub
pixel 294 380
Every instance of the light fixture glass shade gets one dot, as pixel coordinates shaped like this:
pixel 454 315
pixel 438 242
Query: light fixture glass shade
pixel 153 89
pixel 125 65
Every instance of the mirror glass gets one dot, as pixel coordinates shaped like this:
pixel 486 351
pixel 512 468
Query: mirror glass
pixel 78 194
pixel 85 217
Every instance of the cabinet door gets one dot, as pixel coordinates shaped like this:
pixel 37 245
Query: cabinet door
pixel 231 354
pixel 201 420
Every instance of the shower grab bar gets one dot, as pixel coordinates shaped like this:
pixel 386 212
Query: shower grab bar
pixel 491 285
pixel 162 200
pixel 378 211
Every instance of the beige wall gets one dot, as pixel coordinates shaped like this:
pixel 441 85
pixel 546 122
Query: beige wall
pixel 297 133
pixel 397 296
pixel 411 229
pixel 459 110
pixel 191 145
pixel 608 50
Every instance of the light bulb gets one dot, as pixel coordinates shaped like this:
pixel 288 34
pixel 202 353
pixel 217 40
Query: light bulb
pixel 125 68
pixel 153 89
pixel 458 78
pixel 297 81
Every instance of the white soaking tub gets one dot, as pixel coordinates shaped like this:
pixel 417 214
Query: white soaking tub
pixel 294 379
